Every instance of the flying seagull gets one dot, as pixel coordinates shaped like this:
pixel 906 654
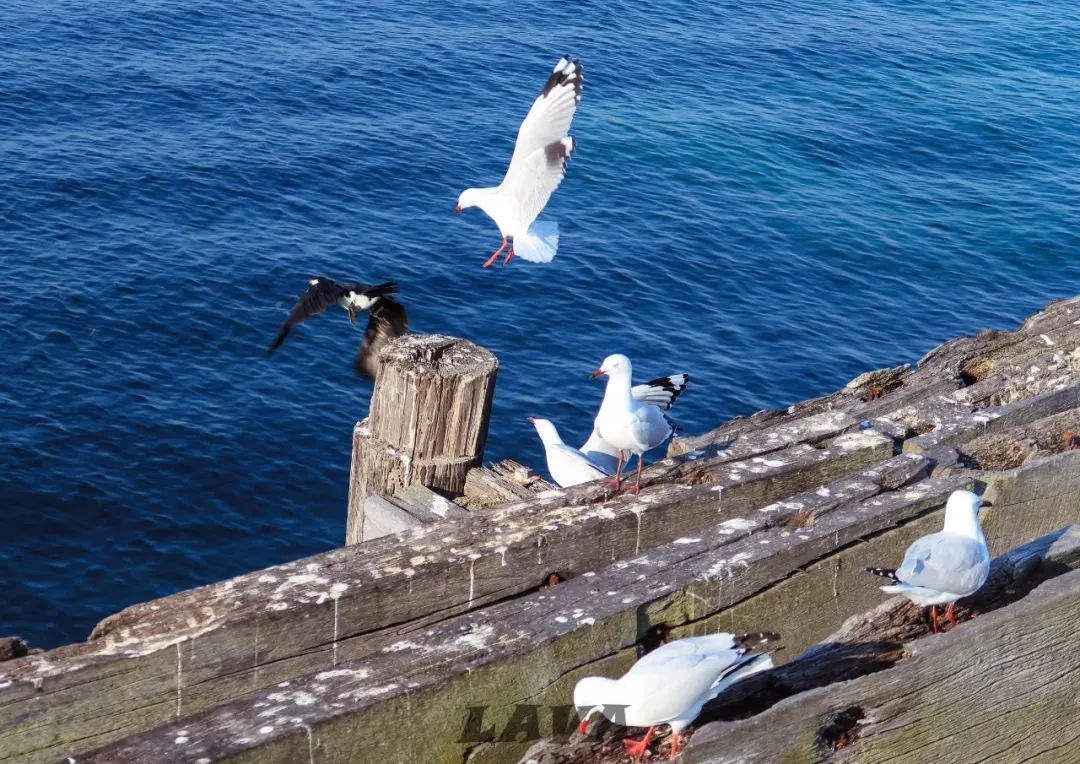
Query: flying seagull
pixel 671 684
pixel 629 425
pixel 945 566
pixel 387 318
pixel 536 169
pixel 568 466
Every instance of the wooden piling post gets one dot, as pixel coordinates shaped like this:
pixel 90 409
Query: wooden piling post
pixel 427 423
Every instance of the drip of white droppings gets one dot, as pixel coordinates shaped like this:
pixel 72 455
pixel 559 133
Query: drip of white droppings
pixel 638 511
pixel 179 678
pixel 255 661
pixel 502 554
pixel 333 658
pixel 310 744
pixel 472 581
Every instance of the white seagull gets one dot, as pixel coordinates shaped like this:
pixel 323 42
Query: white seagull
pixel 671 684
pixel 536 169
pixel 943 567
pixel 661 392
pixel 567 465
pixel 628 425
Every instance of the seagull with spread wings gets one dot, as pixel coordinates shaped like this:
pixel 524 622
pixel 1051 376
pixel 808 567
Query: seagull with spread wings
pixel 536 169
pixel 387 317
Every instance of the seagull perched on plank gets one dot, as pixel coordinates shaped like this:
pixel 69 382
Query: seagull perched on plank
pixel 671 684
pixel 568 466
pixel 945 566
pixel 661 392
pixel 387 318
pixel 536 169
pixel 629 425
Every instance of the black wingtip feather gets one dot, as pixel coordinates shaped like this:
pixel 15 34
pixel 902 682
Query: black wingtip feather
pixel 889 573
pixel 570 72
pixel 756 639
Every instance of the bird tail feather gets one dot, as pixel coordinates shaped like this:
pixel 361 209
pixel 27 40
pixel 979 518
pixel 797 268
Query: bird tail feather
pixel 539 243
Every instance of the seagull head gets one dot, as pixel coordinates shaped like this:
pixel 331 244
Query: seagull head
pixel 613 365
pixel 589 696
pixel 962 512
pixel 470 197
pixel 546 430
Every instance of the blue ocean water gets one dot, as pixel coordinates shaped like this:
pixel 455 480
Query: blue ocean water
pixel 773 196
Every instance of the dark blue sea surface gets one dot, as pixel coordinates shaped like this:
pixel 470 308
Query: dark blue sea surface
pixel 772 196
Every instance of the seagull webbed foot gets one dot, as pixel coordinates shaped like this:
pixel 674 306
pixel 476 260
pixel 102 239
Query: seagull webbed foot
pixel 674 746
pixel 637 749
pixel 495 255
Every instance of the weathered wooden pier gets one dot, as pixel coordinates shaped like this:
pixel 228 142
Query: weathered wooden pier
pixel 480 595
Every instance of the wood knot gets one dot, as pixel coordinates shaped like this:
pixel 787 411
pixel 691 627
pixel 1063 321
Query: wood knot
pixel 553 579
pixel 840 729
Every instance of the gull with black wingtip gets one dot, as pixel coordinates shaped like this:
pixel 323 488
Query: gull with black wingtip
pixel 630 425
pixel 536 169
pixel 945 566
pixel 671 684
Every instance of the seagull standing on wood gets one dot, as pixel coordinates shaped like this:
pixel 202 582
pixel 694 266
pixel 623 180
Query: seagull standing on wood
pixel 568 466
pixel 626 424
pixel 661 392
pixel 387 318
pixel 671 684
pixel 536 169
pixel 945 566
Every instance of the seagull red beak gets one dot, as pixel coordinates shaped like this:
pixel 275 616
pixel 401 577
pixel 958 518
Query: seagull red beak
pixel 597 373
pixel 457 208
pixel 582 727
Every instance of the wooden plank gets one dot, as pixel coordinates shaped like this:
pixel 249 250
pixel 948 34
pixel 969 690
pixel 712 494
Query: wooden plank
pixel 1026 499
pixel 198 649
pixel 1000 689
pixel 865 644
pixel 532 649
pixel 991 368
pixel 503 481
pixel 518 651
pixel 1015 446
pixel 961 425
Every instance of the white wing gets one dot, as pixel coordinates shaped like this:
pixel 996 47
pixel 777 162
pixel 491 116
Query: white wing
pixel 945 562
pixel 568 466
pixel 600 452
pixel 548 121
pixel 661 391
pixel 678 676
pixel 648 427
pixel 543 145
pixel 531 182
